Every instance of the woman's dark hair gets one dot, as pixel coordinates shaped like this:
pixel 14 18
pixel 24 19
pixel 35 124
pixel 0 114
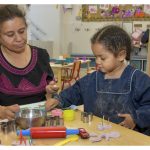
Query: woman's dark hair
pixel 114 39
pixel 8 12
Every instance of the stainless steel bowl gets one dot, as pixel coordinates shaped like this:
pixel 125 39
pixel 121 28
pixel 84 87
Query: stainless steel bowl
pixel 7 126
pixel 27 118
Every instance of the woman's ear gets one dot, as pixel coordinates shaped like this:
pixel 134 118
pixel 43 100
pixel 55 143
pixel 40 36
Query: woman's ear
pixel 122 55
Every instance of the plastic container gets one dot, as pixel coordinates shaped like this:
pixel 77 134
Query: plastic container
pixel 69 115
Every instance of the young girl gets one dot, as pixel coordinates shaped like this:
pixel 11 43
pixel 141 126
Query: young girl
pixel 116 91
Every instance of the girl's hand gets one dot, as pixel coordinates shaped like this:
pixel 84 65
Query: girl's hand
pixel 128 121
pixel 51 103
pixel 8 112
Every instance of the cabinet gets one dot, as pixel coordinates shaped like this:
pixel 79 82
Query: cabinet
pixel 139 63
pixel 139 57
pixel 85 56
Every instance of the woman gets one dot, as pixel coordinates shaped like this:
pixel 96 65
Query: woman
pixel 24 69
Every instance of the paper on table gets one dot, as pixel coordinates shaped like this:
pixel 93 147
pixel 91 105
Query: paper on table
pixel 33 105
pixel 4 120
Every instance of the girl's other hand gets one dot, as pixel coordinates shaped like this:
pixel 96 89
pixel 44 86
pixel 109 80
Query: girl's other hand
pixel 128 121
pixel 51 103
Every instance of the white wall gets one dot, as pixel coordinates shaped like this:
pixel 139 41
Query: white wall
pixel 47 18
pixel 60 27
pixel 80 40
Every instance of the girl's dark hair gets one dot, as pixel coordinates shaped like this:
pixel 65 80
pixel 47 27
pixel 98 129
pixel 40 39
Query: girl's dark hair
pixel 114 39
pixel 8 12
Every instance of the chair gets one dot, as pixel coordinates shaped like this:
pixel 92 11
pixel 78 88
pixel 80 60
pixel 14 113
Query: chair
pixel 71 74
pixel 65 56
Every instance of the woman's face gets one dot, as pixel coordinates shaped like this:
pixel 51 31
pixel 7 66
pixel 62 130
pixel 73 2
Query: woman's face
pixel 13 34
pixel 105 60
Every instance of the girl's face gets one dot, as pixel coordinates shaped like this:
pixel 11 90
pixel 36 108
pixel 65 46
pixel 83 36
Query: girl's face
pixel 106 61
pixel 13 34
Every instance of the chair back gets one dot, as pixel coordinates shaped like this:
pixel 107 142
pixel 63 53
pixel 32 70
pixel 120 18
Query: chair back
pixel 71 74
pixel 76 70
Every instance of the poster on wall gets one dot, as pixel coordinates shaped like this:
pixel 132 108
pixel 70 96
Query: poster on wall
pixel 116 12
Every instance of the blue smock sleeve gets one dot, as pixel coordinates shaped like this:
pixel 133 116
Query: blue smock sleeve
pixel 73 94
pixel 142 98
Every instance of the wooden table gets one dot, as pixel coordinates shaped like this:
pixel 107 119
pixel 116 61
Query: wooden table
pixel 58 67
pixel 128 137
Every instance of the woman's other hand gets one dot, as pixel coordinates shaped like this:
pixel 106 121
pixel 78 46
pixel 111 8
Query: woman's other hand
pixel 52 87
pixel 8 112
pixel 51 103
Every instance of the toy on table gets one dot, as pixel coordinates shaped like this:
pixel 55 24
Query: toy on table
pixel 48 132
pixel 54 121
pixel 96 138
pixel 56 112
pixel 72 138
pixel 22 138
pixel 22 141
pixel 86 117
pixel 104 126
pixel 69 115
pixel 53 132
pixel 17 143
pixel 55 118
pixel 83 133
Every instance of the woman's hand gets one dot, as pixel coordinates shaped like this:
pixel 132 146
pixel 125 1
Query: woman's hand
pixel 52 88
pixel 8 112
pixel 128 121
pixel 51 103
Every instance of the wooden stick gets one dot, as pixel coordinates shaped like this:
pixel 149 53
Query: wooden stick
pixel 103 121
pixel 108 121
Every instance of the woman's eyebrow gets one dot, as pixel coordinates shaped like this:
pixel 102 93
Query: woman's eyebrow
pixel 13 31
pixel 9 32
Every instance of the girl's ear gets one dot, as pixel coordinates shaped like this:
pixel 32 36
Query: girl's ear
pixel 122 55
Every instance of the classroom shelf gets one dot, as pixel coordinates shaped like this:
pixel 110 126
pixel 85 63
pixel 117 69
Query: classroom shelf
pixel 136 61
